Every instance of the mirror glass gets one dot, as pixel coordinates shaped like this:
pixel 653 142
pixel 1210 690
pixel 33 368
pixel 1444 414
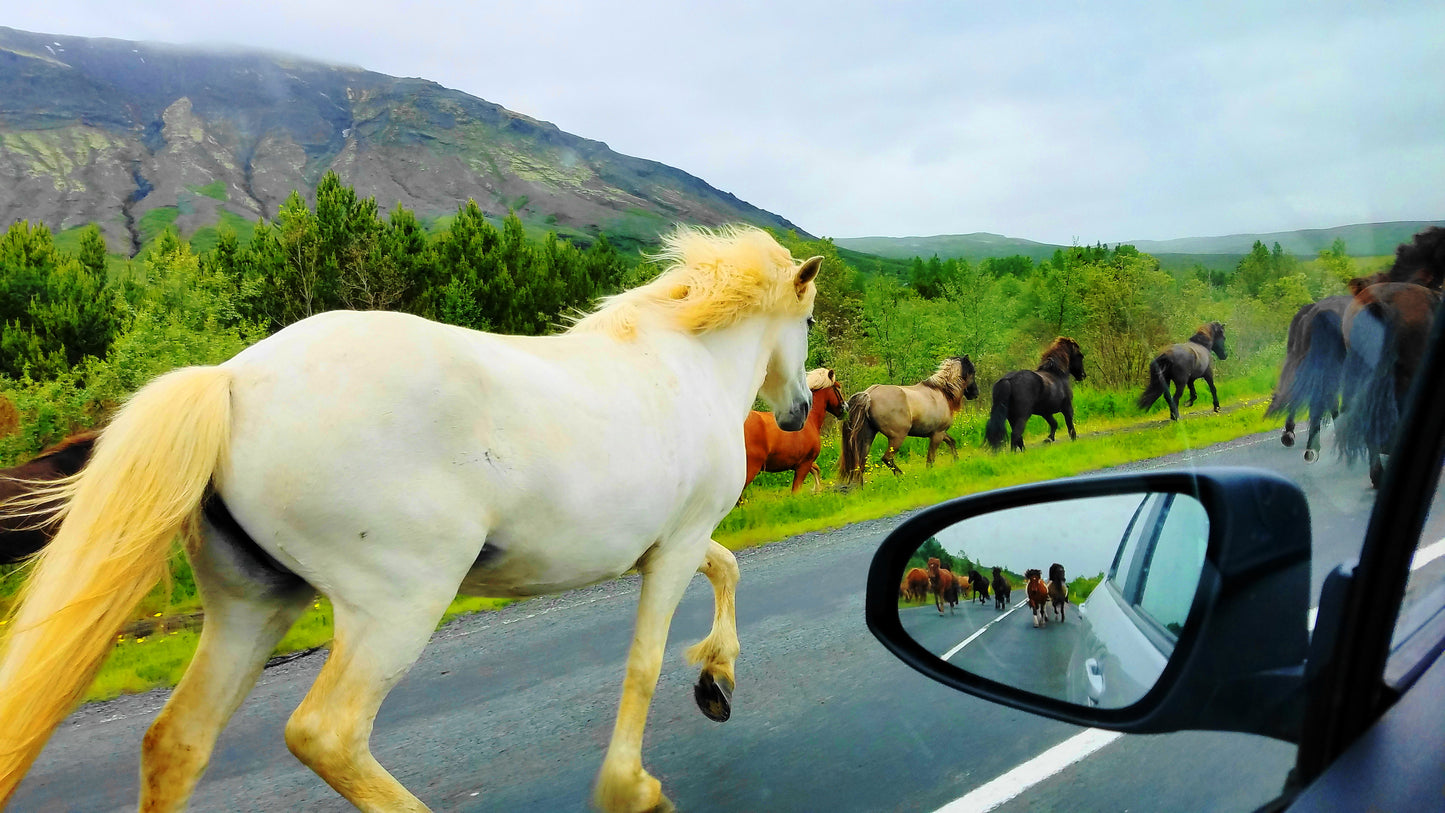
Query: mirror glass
pixel 1078 600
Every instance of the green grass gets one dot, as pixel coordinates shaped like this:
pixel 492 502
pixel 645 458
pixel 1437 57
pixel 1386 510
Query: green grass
pixel 206 237
pixel 157 220
pixel 215 190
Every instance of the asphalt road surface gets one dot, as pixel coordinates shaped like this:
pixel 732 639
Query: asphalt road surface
pixel 511 710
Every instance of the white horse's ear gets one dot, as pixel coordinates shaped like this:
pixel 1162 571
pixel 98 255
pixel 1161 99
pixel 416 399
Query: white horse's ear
pixel 806 272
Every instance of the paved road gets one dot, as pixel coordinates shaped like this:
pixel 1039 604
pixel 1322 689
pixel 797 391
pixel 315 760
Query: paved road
pixel 510 710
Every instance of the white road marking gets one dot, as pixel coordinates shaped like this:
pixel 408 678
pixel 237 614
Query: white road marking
pixel 1423 556
pixel 992 794
pixel 966 641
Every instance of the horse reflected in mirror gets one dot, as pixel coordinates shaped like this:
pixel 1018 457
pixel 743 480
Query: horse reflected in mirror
pixel 1043 391
pixel 20 536
pixel 943 584
pixel 915 585
pixel 922 410
pixel 1181 365
pixel 1038 595
pixel 1297 349
pixel 389 463
pixel 1002 590
pixel 1058 590
pixel 771 449
pixel 979 584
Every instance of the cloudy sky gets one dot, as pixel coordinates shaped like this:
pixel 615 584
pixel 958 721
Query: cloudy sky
pixel 1051 121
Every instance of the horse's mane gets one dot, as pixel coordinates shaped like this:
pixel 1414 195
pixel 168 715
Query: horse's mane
pixel 820 379
pixel 948 378
pixel 1422 260
pixel 1057 357
pixel 714 277
pixel 1206 332
pixel 67 444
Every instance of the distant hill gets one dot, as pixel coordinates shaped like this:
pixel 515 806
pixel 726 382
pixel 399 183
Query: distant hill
pixel 1361 240
pixel 976 246
pixel 135 136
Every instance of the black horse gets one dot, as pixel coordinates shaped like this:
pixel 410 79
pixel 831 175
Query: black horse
pixel 1297 349
pixel 979 585
pixel 1001 590
pixel 1183 364
pixel 1043 392
pixel 21 536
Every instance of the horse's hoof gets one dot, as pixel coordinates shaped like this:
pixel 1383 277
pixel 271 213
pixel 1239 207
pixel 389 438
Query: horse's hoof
pixel 1287 439
pixel 714 698
pixel 1311 455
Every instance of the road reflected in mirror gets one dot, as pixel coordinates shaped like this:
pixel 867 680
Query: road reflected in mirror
pixel 1078 600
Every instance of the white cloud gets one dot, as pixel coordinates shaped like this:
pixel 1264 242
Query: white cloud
pixel 1043 120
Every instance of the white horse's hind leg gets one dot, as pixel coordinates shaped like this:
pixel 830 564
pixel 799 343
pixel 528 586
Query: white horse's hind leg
pixel 718 652
pixel 623 786
pixel 374 648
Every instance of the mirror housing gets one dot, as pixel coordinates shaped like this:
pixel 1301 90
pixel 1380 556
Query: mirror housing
pixel 1255 587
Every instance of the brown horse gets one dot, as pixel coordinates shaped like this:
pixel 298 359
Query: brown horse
pixel 1181 365
pixel 1058 590
pixel 944 586
pixel 1038 594
pixel 1297 348
pixel 772 449
pixel 915 584
pixel 23 536
pixel 1042 392
pixel 922 410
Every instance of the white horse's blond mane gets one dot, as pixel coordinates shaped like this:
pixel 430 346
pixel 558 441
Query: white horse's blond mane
pixel 714 277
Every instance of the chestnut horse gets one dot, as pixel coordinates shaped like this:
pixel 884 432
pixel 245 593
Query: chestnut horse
pixel 21 537
pixel 1041 391
pixel 922 410
pixel 1002 590
pixel 915 584
pixel 1058 590
pixel 772 449
pixel 1038 594
pixel 944 585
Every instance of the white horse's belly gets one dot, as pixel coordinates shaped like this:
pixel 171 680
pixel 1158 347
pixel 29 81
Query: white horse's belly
pixel 360 457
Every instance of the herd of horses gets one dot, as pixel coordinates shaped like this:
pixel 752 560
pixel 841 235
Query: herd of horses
pixel 948 589
pixel 449 489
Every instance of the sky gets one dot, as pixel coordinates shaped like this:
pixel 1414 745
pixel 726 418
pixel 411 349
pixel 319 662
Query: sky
pixel 1055 122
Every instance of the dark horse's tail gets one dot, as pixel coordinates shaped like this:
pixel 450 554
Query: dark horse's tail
pixel 996 428
pixel 1369 381
pixel 1158 381
pixel 1317 379
pixel 858 434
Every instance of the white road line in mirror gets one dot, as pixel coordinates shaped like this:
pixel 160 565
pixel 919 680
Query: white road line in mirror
pixel 966 641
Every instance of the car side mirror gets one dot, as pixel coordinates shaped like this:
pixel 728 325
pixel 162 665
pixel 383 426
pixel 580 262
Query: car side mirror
pixel 1145 603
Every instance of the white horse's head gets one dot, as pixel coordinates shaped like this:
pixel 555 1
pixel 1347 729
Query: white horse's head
pixel 785 385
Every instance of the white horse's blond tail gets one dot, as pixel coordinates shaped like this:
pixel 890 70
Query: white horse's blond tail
pixel 142 488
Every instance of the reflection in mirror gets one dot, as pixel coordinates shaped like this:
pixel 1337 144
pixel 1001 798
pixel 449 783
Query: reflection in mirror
pixel 1078 600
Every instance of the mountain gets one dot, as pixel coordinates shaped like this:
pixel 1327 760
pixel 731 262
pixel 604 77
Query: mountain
pixel 1361 240
pixel 975 246
pixel 133 135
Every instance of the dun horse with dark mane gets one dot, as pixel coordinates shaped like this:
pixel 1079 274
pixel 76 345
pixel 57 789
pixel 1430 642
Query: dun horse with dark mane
pixel 1043 391
pixel 1183 364
pixel 923 410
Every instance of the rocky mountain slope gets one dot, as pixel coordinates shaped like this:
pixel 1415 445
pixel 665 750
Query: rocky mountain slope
pixel 129 135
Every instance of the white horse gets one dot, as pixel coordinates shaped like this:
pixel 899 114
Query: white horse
pixel 389 462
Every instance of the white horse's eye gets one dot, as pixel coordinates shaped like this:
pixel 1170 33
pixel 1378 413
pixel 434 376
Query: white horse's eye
pixel 811 320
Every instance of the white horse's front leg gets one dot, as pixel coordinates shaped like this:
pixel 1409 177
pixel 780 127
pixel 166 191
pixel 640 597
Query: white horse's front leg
pixel 623 786
pixel 718 652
